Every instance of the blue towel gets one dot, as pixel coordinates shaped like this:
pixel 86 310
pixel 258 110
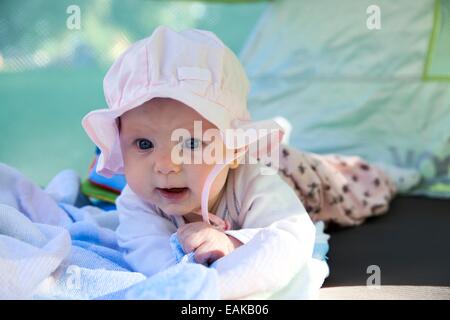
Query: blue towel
pixel 49 249
pixel 52 250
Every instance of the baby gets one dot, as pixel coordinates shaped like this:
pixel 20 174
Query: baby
pixel 224 208
pixel 174 189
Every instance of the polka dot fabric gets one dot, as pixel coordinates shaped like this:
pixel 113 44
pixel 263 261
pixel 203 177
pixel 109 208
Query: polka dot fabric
pixel 337 189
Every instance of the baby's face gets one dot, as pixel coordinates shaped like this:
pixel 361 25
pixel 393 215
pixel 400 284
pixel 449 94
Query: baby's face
pixel 146 144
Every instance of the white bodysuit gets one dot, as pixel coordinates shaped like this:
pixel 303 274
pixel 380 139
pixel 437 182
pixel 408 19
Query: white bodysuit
pixel 264 213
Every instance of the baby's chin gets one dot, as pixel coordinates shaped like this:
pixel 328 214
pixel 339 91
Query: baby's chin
pixel 175 209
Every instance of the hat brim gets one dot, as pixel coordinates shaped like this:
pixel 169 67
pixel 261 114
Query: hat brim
pixel 100 125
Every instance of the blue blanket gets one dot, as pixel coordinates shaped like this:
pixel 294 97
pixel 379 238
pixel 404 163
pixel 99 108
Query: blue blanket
pixel 50 249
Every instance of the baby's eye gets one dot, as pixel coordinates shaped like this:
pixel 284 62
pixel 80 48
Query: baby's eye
pixel 144 144
pixel 192 143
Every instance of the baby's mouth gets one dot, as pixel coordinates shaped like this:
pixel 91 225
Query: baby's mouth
pixel 172 193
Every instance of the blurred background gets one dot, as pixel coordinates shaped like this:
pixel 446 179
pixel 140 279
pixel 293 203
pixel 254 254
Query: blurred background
pixel 356 78
pixel 51 76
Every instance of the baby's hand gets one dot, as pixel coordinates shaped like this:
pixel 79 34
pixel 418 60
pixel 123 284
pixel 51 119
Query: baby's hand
pixel 208 243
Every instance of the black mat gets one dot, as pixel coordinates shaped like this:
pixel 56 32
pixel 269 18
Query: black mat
pixel 410 244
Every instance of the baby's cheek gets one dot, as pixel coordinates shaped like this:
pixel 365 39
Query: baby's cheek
pixel 134 184
pixel 196 178
pixel 135 177
pixel 195 170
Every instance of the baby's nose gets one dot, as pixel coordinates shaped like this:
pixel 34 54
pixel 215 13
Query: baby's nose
pixel 165 165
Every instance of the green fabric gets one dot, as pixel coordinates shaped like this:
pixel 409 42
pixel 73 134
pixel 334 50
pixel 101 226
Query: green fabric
pixel 437 66
pixel 355 91
pixel 96 192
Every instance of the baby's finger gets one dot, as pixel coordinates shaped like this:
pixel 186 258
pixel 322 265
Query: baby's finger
pixel 182 230
pixel 189 228
pixel 206 255
pixel 190 242
pixel 215 220
pixel 218 222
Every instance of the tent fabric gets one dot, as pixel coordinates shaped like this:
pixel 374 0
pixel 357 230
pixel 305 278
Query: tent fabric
pixel 438 59
pixel 350 89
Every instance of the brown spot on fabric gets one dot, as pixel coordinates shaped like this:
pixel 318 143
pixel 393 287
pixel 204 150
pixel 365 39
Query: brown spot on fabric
pixel 364 167
pixel 345 188
pixel 301 168
pixel 285 153
pixel 269 164
pixel 308 208
pixel 341 198
pixel 355 178
pixel 294 182
pixel 348 211
pixel 364 203
pixel 343 164
pixel 313 168
pixel 326 187
pixel 310 194
pixel 315 210
pixel 367 194
pixel 377 208
pixel 376 182
pixel 313 185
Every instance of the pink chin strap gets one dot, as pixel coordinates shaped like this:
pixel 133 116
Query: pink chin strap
pixel 210 179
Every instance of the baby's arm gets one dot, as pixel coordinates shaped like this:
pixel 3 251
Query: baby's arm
pixel 278 238
pixel 144 235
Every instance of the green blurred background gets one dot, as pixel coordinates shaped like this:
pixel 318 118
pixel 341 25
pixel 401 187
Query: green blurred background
pixel 51 76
